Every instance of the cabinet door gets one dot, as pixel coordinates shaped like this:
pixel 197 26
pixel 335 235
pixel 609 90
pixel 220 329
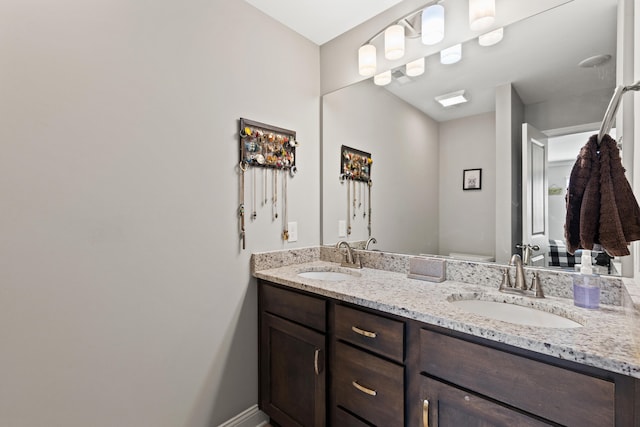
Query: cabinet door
pixel 446 406
pixel 292 374
pixel 550 392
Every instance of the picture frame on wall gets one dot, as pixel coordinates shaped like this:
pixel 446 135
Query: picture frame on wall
pixel 472 179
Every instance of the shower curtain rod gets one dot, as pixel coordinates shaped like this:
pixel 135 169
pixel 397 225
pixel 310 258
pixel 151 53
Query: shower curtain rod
pixel 612 109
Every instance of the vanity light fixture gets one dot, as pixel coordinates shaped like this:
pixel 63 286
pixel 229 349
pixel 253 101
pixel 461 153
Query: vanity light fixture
pixel 451 55
pixel 482 14
pixel 491 38
pixel 433 24
pixel 394 42
pixel 367 60
pixel 427 22
pixel 415 68
pixel 451 99
pixel 383 78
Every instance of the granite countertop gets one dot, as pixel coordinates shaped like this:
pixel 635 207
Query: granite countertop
pixel 609 338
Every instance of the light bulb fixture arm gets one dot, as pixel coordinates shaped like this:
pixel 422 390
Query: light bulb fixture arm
pixel 407 21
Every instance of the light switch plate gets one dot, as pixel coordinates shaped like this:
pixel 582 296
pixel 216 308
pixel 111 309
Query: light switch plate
pixel 293 231
pixel 342 228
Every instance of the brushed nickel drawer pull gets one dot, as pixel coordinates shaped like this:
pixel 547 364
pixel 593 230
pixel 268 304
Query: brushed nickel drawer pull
pixel 316 356
pixel 425 413
pixel 363 332
pixel 364 389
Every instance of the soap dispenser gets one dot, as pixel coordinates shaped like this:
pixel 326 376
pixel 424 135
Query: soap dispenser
pixel 586 284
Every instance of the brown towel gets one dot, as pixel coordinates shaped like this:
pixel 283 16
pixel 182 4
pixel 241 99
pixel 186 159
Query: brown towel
pixel 601 207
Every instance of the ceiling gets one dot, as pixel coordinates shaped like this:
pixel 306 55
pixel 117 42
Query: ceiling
pixel 322 20
pixel 538 55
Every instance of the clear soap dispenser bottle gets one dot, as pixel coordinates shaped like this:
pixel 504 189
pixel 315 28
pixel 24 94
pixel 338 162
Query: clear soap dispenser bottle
pixel 586 284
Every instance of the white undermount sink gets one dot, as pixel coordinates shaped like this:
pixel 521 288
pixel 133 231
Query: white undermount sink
pixel 329 274
pixel 513 313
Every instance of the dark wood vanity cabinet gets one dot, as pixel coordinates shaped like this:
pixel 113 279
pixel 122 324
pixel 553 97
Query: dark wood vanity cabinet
pixel 463 382
pixel 292 354
pixel 368 368
pixel 366 364
pixel 328 363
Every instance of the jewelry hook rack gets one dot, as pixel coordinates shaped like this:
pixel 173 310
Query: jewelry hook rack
pixel 267 147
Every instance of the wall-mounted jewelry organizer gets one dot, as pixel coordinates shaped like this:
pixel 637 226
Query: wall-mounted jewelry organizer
pixel 269 149
pixel 355 164
pixel 355 172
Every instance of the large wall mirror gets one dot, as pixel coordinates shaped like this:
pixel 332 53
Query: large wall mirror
pixel 420 149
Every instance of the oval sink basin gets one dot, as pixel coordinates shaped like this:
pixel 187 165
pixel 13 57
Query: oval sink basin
pixel 328 275
pixel 515 314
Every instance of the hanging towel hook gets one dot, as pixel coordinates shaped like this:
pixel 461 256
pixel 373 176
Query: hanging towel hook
pixel 612 109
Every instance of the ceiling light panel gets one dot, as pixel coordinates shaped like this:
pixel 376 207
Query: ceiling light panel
pixel 451 99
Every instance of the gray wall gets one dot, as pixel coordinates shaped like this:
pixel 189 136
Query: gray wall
pixel 403 143
pixel 124 297
pixel 509 119
pixel 467 218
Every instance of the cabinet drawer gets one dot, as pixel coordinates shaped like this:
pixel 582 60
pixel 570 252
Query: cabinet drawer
pixel 554 393
pixel 376 333
pixel 297 307
pixel 368 386
pixel 344 419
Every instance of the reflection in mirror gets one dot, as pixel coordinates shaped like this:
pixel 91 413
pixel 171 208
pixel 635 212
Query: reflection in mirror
pixel 404 193
pixel 562 154
pixel 420 149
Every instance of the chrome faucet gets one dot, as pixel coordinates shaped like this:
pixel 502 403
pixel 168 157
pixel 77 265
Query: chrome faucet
pixel 349 260
pixel 520 287
pixel 521 280
pixel 371 240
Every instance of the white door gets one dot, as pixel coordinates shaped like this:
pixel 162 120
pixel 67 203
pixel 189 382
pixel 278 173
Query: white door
pixel 535 222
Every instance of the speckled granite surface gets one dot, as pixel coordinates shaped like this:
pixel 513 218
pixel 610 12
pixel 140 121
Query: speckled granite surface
pixel 609 338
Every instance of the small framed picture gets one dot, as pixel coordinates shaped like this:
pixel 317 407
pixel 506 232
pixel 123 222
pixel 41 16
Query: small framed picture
pixel 472 179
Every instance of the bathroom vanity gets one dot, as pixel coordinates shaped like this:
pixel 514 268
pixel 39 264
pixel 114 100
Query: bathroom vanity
pixel 373 347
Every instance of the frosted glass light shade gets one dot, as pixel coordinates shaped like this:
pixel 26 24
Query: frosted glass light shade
pixel 383 78
pixel 482 14
pixel 394 42
pixel 415 68
pixel 433 24
pixel 491 38
pixel 451 55
pixel 367 60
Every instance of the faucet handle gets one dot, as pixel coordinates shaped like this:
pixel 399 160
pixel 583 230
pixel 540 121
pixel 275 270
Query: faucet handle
pixel 506 280
pixel 357 261
pixel 536 286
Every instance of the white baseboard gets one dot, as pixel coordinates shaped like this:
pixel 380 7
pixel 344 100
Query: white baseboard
pixel 252 417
